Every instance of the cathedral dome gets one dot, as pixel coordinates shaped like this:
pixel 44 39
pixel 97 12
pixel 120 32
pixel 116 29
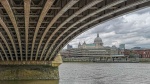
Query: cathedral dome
pixel 98 39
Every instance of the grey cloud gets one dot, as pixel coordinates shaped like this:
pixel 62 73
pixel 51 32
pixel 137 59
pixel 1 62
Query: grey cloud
pixel 143 11
pixel 128 29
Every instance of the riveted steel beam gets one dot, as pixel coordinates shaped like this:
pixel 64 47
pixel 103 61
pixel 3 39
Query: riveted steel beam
pixel 33 15
pixel 67 20
pixel 54 26
pixel 1 46
pixel 61 12
pixel 9 35
pixel 47 6
pixel 1 57
pixel 27 16
pixel 6 45
pixel 84 18
pixel 90 22
pixel 54 8
pixel 9 11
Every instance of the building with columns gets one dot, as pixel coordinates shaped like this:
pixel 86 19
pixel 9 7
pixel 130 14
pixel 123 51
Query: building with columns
pixel 95 49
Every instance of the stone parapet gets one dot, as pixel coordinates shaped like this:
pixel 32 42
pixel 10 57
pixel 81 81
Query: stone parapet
pixel 48 63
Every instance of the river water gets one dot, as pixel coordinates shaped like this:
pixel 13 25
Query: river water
pixel 97 73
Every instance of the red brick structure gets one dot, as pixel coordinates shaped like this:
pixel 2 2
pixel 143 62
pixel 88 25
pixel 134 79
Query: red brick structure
pixel 143 53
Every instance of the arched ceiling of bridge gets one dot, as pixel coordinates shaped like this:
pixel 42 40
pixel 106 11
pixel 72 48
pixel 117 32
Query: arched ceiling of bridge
pixel 39 29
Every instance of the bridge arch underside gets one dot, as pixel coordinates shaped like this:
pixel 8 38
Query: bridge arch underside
pixel 36 30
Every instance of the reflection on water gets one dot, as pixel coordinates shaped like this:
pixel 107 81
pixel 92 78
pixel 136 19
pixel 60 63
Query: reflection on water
pixel 31 82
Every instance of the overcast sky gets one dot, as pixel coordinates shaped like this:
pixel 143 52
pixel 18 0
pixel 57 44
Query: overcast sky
pixel 132 30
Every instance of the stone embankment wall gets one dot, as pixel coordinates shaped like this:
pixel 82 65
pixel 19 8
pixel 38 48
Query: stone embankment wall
pixel 122 60
pixel 144 59
pixel 102 60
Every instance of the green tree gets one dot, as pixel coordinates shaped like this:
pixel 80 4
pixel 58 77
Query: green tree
pixel 131 54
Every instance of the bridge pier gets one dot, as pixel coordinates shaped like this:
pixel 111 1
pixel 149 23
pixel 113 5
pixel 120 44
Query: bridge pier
pixel 28 70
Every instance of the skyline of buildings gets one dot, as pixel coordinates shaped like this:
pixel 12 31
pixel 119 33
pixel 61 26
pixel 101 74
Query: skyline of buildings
pixel 119 46
pixel 95 49
pixel 98 43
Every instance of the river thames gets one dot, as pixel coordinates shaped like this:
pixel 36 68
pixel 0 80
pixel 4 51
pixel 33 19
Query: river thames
pixel 97 73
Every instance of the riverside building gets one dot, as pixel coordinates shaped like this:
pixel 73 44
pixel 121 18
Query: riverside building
pixel 95 49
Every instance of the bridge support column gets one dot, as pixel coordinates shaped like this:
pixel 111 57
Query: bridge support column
pixel 26 70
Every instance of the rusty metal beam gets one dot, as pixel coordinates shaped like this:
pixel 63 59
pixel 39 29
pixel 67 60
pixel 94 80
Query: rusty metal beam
pixel 9 35
pixel 61 12
pixel 84 18
pixel 27 16
pixel 47 6
pixel 6 45
pixel 67 20
pixel 9 11
pixel 90 22
pixel 1 46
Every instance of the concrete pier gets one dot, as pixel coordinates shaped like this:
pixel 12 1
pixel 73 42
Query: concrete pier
pixel 26 72
pixel 30 70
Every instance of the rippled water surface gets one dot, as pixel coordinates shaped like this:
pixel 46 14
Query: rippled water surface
pixel 105 73
pixel 97 73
